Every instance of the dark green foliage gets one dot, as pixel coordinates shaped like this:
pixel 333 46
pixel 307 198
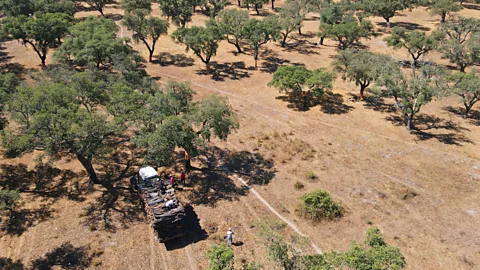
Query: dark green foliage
pixel 41 31
pixel 258 33
pixel 410 92
pixel 50 115
pixel 99 4
pixel 385 8
pixel 170 119
pixel 467 86
pixel 299 80
pixel 318 205
pixel 146 29
pixel 444 7
pixel 93 41
pixel 232 22
pixel 416 42
pixel 179 11
pixel 133 6
pixel 462 45
pixel 290 19
pixel 257 4
pixel 203 41
pixel 8 199
pixel 29 7
pixel 347 32
pixel 362 67
pixel 8 83
pixel 220 258
pixel 213 7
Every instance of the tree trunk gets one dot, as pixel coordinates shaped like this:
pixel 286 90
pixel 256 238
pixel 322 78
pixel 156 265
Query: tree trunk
pixel 87 164
pixel 248 6
pixel 321 40
pixel 239 49
pixel 44 65
pixel 300 30
pixel 409 124
pixel 256 9
pixel 305 103
pixel 150 55
pixel 388 22
pixel 467 110
pixel 255 62
pixel 273 4
pixel 188 164
pixel 208 67
pixel 101 11
pixel 239 4
pixel 284 40
pixel 362 90
pixel 462 68
pixel 444 17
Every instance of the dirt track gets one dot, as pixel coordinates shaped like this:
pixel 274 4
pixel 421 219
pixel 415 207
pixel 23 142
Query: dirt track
pixel 421 191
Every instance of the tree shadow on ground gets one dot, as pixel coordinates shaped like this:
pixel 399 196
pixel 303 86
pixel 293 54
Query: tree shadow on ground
pixel 471 6
pixel 333 103
pixel 232 71
pixel 424 123
pixel 9 264
pixel 330 103
pixel 66 257
pixel 114 17
pixel 406 25
pixel 271 61
pixel 377 104
pixel 20 220
pixel 43 181
pixel 6 67
pixel 195 233
pixel 214 184
pixel 271 64
pixel 165 59
pixel 473 116
pixel 302 47
pixel 117 206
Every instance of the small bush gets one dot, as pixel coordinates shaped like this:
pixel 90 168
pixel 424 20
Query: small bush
pixel 252 266
pixel 374 237
pixel 311 175
pixel 220 257
pixel 298 185
pixel 318 205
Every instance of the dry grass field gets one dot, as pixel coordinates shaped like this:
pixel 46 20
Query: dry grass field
pixel 420 188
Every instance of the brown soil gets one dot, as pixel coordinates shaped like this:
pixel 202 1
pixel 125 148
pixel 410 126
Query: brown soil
pixel 419 188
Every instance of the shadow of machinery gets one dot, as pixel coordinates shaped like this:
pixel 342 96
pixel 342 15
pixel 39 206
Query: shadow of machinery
pixel 194 232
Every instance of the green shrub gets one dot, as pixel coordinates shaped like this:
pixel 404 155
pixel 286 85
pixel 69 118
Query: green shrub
pixel 8 199
pixel 220 257
pixel 318 205
pixel 298 185
pixel 311 175
pixel 252 266
pixel 374 237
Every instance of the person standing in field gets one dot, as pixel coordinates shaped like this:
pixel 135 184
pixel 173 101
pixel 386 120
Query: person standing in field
pixel 229 237
pixel 182 178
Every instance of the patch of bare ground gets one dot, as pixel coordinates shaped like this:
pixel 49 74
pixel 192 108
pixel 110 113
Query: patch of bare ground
pixel 420 188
